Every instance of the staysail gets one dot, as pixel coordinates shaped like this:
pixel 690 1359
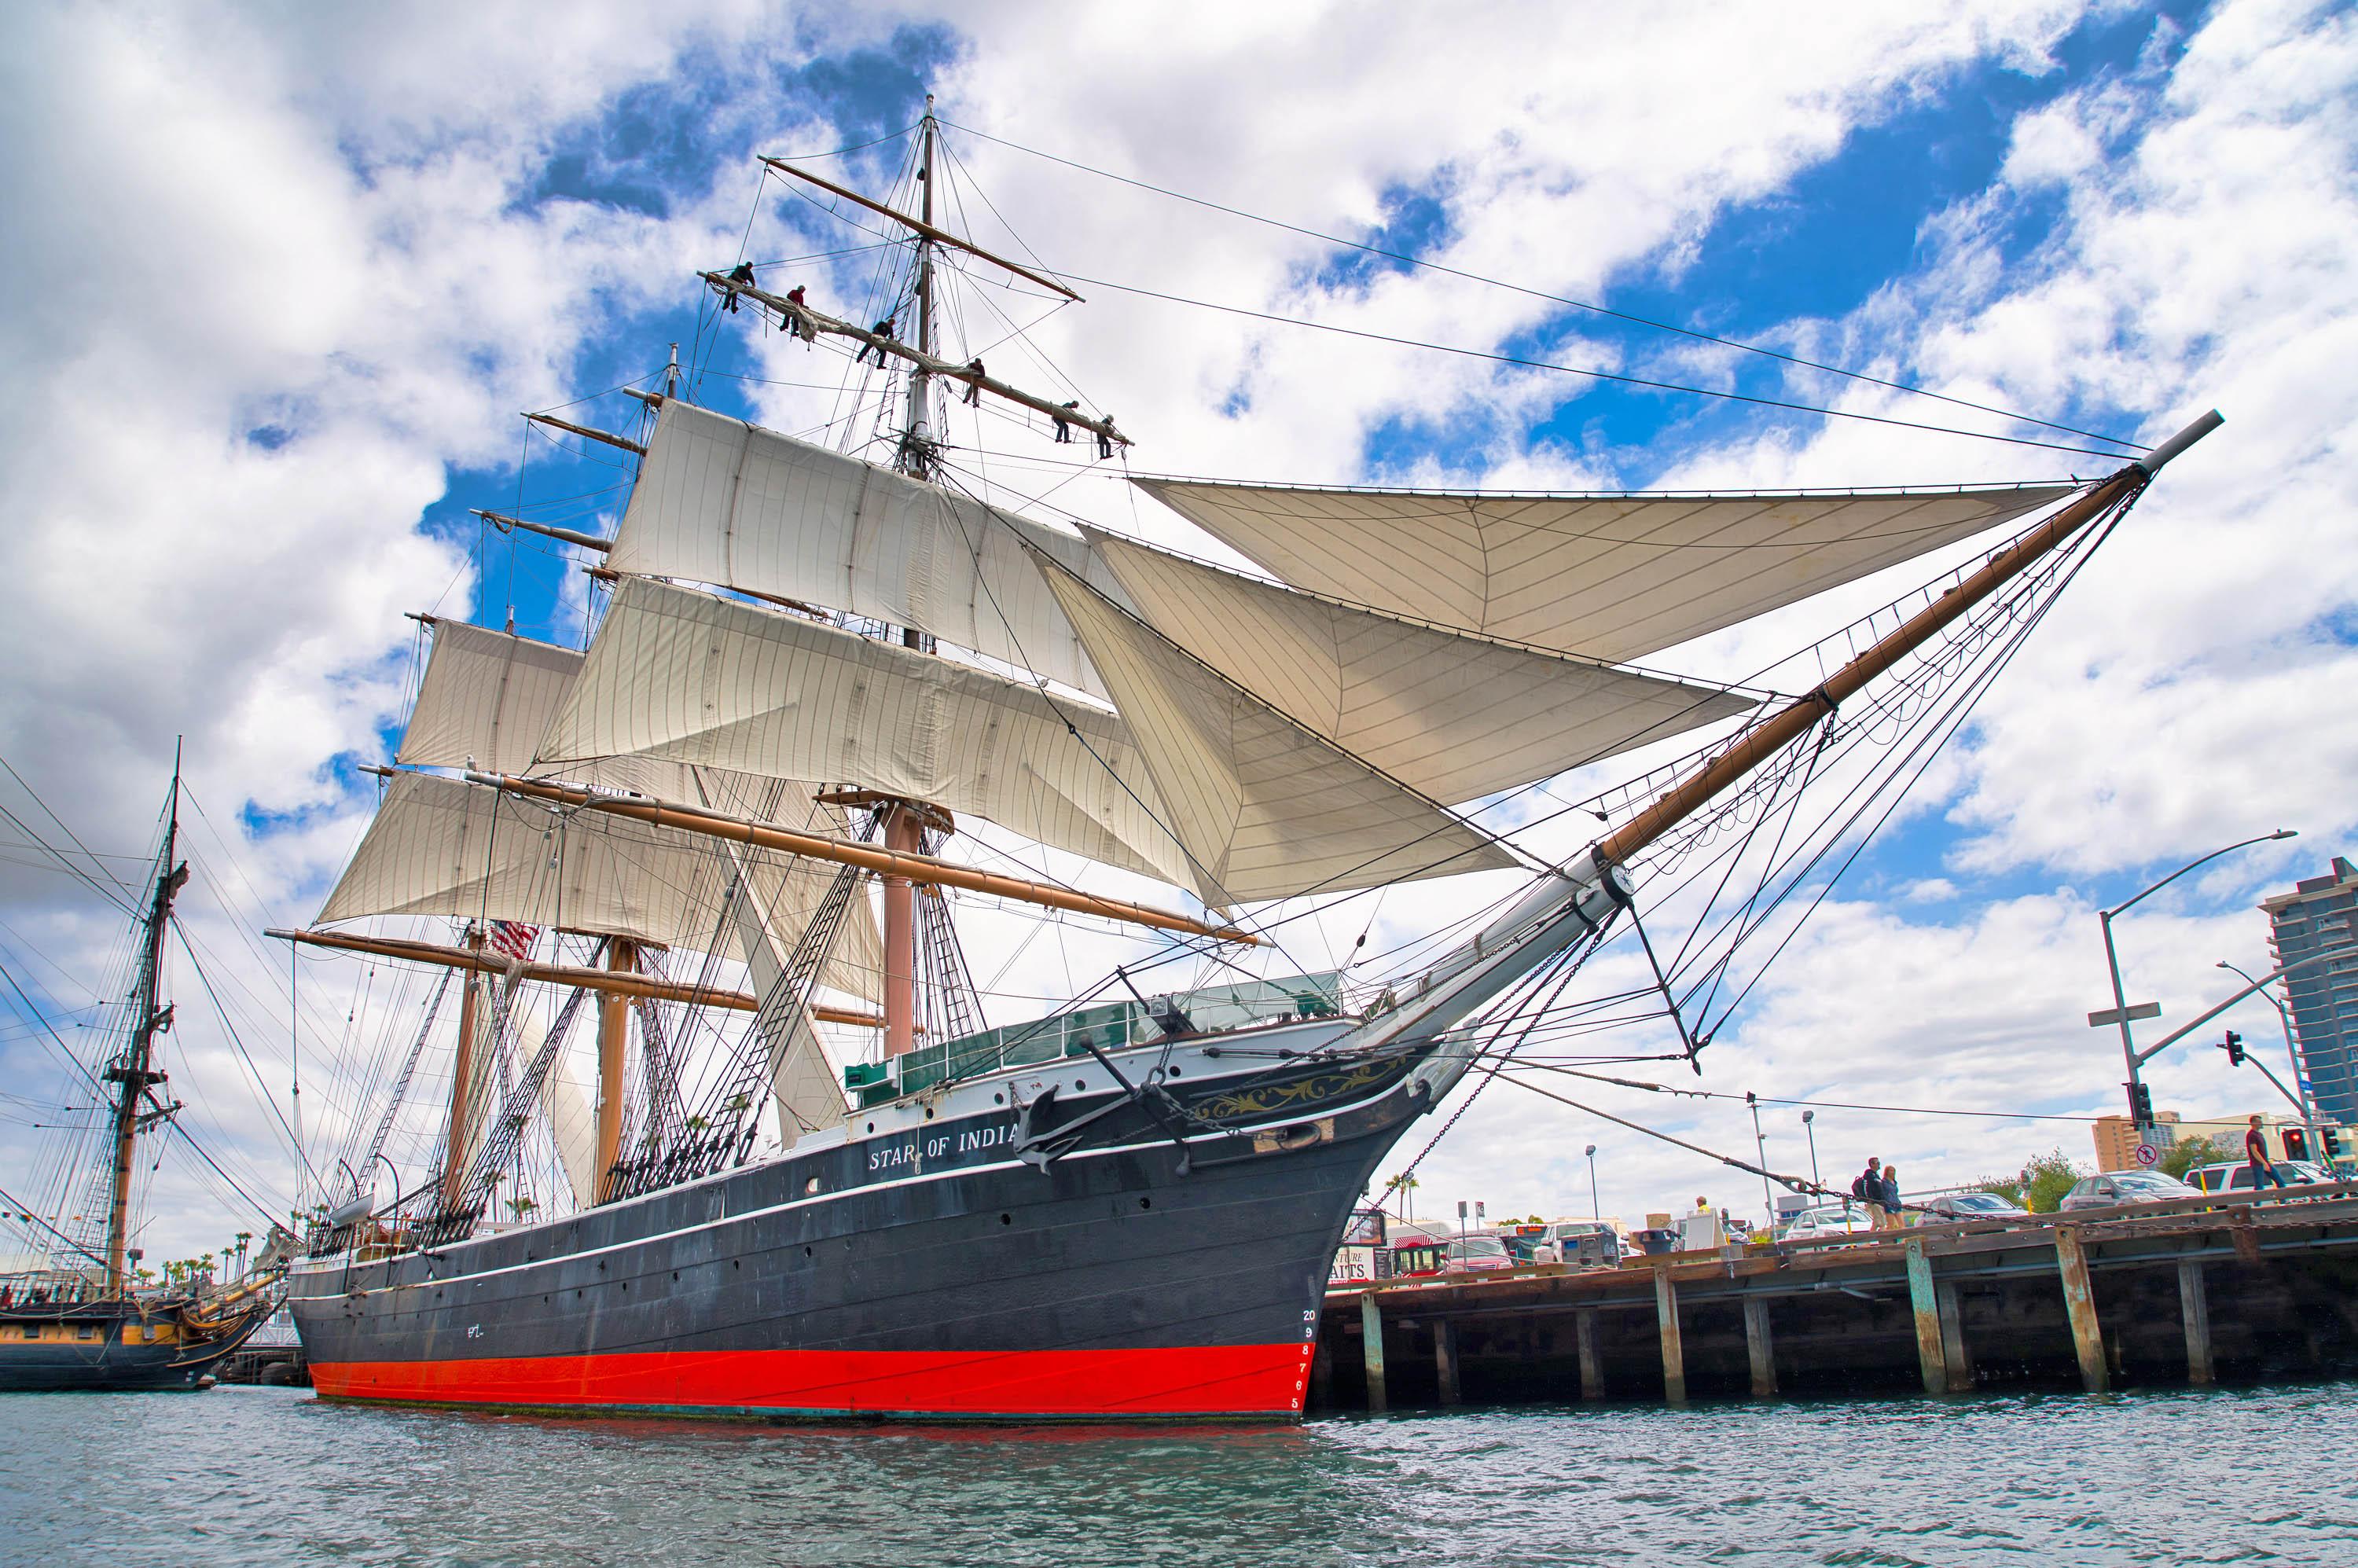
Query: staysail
pixel 1605 576
pixel 1267 807
pixel 1454 716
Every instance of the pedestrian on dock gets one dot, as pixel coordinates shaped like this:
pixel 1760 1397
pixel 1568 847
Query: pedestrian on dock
pixel 2256 1150
pixel 1867 1187
pixel 1891 1214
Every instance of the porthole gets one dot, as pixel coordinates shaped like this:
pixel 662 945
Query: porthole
pixel 1174 1072
pixel 674 1276
pixel 1146 1203
pixel 1006 1220
pixel 807 1252
pixel 998 1099
pixel 811 1185
pixel 1080 1083
pixel 872 1127
pixel 929 1113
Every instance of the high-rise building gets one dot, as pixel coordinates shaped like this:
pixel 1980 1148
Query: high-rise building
pixel 2315 917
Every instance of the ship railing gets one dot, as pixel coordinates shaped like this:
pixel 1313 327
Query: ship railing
pixel 1107 1026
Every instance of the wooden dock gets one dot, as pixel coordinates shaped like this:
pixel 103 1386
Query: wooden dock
pixel 2188 1291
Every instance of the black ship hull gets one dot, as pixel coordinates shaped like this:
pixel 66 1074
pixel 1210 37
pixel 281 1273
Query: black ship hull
pixel 920 1271
pixel 112 1346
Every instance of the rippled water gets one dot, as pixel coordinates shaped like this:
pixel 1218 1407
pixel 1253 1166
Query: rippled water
pixel 274 1475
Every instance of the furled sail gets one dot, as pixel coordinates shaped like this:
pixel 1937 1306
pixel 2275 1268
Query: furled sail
pixel 1267 808
pixel 487 699
pixel 1606 577
pixel 719 500
pixel 1452 715
pixel 444 846
pixel 685 676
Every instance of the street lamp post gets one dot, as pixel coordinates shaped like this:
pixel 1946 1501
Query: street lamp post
pixel 2303 1097
pixel 1768 1201
pixel 1808 1118
pixel 1595 1210
pixel 2140 1109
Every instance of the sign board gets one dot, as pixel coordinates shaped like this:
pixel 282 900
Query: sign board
pixel 2147 1156
pixel 2129 1014
pixel 1364 1227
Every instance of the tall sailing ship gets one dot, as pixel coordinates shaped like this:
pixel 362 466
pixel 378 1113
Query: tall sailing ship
pixel 81 1317
pixel 812 673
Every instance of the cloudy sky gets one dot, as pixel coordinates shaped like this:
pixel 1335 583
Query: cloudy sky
pixel 281 281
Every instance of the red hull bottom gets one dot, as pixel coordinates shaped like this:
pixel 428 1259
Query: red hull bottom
pixel 1209 1380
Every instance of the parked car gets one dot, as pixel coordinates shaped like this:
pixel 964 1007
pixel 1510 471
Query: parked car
pixel 1975 1205
pixel 1469 1253
pixel 1833 1220
pixel 1581 1242
pixel 2112 1187
pixel 1423 1257
pixel 2237 1176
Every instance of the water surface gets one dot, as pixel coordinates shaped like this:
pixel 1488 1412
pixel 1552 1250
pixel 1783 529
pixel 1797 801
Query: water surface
pixel 273 1476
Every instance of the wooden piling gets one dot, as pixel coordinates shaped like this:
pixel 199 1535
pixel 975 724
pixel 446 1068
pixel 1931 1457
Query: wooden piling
pixel 1322 1374
pixel 1592 1370
pixel 2080 1305
pixel 1756 1343
pixel 1445 1361
pixel 1931 1360
pixel 1675 1356
pixel 1371 1324
pixel 1956 1354
pixel 2195 1305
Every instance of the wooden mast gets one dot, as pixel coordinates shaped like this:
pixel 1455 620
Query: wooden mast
pixel 462 1071
pixel 134 1072
pixel 1788 724
pixel 903 822
pixel 613 1038
pixel 904 834
pixel 916 435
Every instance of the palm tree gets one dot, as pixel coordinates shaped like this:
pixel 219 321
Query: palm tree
pixel 1405 1185
pixel 521 1207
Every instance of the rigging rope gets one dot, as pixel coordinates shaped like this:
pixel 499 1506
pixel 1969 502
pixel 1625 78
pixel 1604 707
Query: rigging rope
pixel 1552 298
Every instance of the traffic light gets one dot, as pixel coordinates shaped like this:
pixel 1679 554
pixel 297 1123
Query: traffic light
pixel 2235 1048
pixel 2333 1141
pixel 2140 1104
pixel 2296 1143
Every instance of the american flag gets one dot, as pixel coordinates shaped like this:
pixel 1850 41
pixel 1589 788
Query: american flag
pixel 512 939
